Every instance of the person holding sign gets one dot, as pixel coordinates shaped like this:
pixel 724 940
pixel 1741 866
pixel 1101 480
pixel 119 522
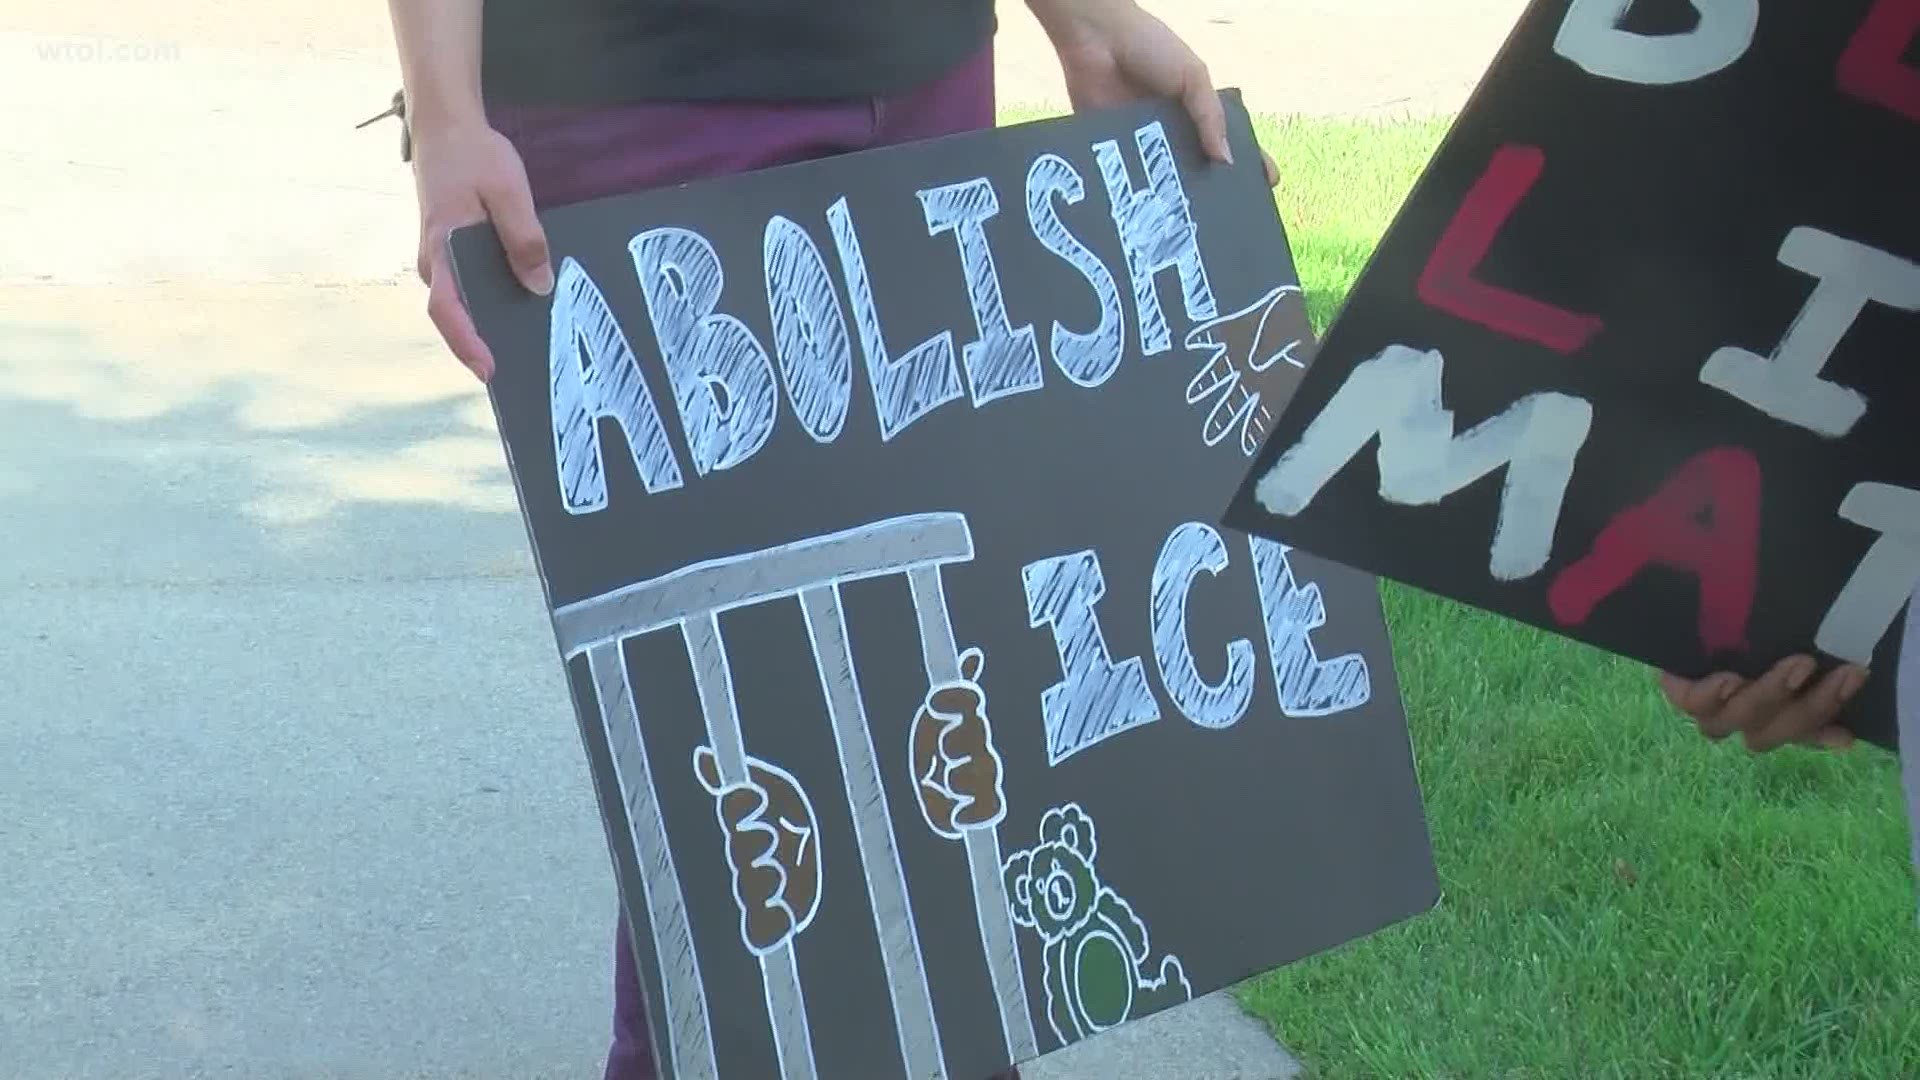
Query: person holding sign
pixel 1787 706
pixel 510 106
pixel 515 104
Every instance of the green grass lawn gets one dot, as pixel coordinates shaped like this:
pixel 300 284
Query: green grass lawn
pixel 1621 897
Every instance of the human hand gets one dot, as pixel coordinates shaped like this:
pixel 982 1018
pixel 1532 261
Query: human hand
pixel 955 766
pixel 773 849
pixel 465 174
pixel 1244 349
pixel 1774 710
pixel 1113 51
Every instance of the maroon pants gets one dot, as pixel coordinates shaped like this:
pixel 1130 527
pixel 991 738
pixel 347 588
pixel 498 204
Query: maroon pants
pixel 577 154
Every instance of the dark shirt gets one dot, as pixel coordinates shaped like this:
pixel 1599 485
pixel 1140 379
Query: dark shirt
pixel 599 52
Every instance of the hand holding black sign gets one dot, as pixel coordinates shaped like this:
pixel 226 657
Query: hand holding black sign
pixel 1662 272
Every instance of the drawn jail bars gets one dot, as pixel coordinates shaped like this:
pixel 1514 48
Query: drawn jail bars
pixel 812 571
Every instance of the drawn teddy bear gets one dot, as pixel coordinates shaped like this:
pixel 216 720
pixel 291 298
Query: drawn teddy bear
pixel 1096 949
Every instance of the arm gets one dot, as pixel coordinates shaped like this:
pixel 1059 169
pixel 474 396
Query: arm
pixel 1907 692
pixel 439 46
pixel 464 171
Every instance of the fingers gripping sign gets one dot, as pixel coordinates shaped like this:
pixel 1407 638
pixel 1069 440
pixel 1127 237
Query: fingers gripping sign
pixel 956 768
pixel 465 174
pixel 1791 704
pixel 773 849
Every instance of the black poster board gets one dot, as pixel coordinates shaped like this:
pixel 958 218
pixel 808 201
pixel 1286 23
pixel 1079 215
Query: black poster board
pixel 933 725
pixel 1636 362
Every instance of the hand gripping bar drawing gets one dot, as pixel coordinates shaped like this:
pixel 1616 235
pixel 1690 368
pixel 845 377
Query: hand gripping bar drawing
pixel 811 571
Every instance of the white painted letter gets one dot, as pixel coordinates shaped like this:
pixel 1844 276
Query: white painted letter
pixel 722 379
pixel 1591 37
pixel 1004 359
pixel 1396 396
pixel 1095 699
pixel 906 389
pixel 1309 686
pixel 1157 232
pixel 1088 359
pixel 809 334
pixel 1884 581
pixel 1788 385
pixel 594 374
pixel 1191 548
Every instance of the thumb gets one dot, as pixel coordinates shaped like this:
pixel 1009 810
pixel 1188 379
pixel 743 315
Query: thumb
pixel 1834 737
pixel 706 766
pixel 971 661
pixel 509 204
pixel 1203 105
pixel 1675 688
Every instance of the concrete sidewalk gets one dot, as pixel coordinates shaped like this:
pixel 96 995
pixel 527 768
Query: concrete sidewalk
pixel 292 786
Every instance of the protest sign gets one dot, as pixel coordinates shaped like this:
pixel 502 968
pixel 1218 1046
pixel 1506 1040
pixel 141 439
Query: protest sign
pixel 933 724
pixel 1635 362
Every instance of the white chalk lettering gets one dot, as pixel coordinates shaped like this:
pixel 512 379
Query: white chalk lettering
pixel 1309 686
pixel 922 380
pixel 1396 396
pixel 1004 359
pixel 1095 699
pixel 1787 386
pixel 722 379
pixel 1157 231
pixel 1088 358
pixel 1885 579
pixel 1591 37
pixel 809 333
pixel 1189 549
pixel 594 375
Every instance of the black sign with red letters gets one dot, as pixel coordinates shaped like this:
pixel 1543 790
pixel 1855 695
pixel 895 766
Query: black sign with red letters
pixel 1637 361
